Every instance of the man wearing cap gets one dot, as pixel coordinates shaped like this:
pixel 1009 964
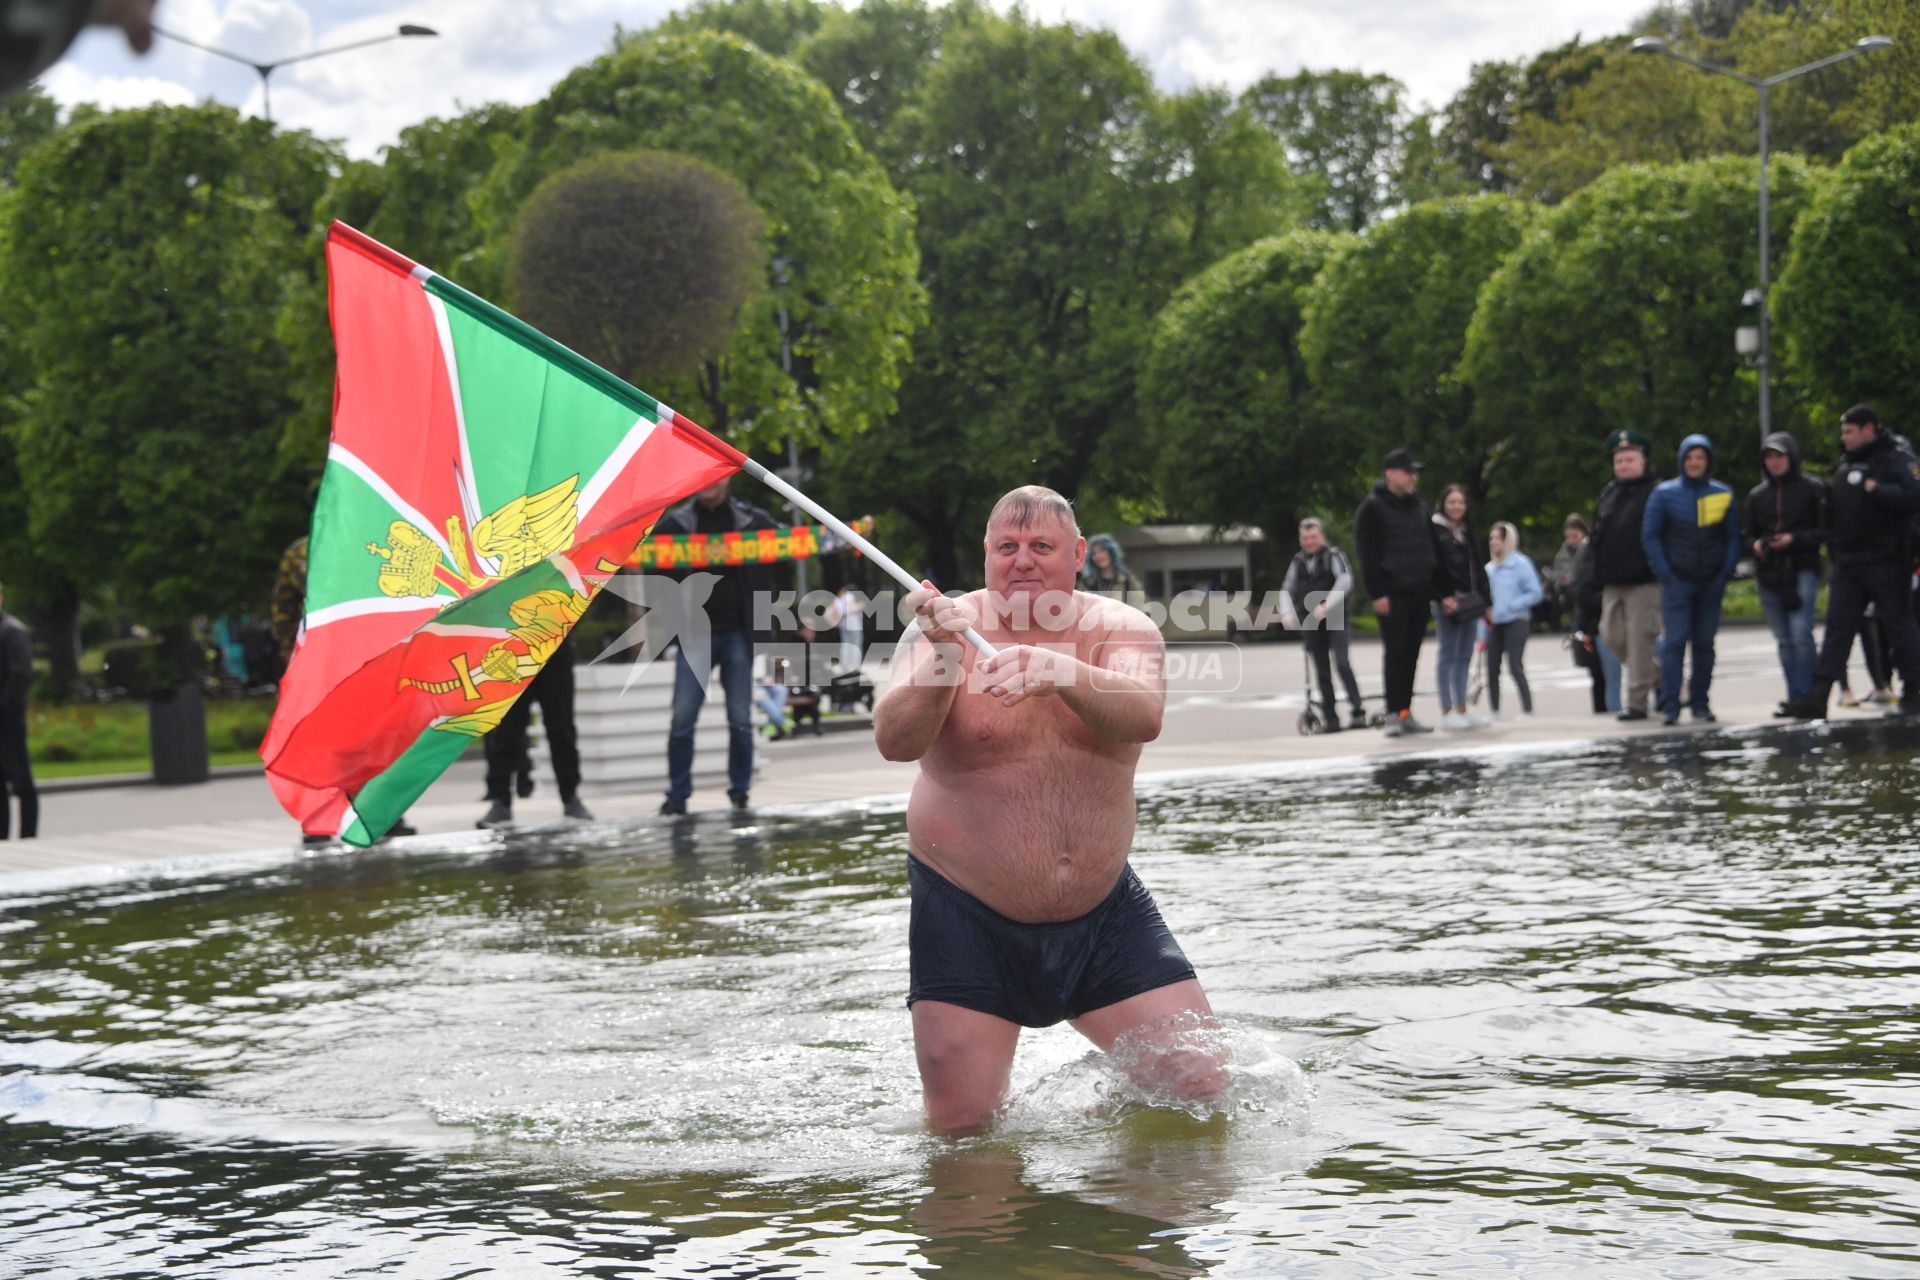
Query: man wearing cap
pixel 1786 526
pixel 1872 499
pixel 1398 565
pixel 1629 591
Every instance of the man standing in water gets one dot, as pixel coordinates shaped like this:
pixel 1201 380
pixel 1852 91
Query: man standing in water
pixel 1025 912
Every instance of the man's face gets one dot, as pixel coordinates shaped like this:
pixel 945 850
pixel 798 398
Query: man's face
pixel 1856 435
pixel 1311 540
pixel 1024 562
pixel 1402 481
pixel 713 495
pixel 1695 463
pixel 1575 535
pixel 1629 464
pixel 1776 463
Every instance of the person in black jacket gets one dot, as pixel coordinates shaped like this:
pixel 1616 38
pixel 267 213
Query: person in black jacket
pixel 1398 565
pixel 730 614
pixel 1787 525
pixel 1315 591
pixel 1872 500
pixel 16 682
pixel 1629 591
pixel 1461 596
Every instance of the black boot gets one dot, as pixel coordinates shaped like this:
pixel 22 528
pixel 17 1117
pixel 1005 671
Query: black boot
pixel 1810 706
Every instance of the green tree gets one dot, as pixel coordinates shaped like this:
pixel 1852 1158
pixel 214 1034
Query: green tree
pixel 1848 303
pixel 873 60
pixel 1476 125
pixel 1618 310
pixel 27 119
pixel 146 257
pixel 1385 324
pixel 1061 203
pixel 778 27
pixel 1234 435
pixel 844 262
pixel 639 260
pixel 1342 129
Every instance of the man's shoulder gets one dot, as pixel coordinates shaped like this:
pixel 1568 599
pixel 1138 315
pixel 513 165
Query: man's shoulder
pixel 753 517
pixel 1114 616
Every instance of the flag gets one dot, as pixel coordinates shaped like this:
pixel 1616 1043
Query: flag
pixel 482 484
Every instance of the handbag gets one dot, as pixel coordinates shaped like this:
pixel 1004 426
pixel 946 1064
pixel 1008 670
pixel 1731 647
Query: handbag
pixel 1468 605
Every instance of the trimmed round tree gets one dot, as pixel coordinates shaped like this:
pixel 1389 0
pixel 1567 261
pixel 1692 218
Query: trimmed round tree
pixel 843 262
pixel 1227 412
pixel 1848 304
pixel 1385 326
pixel 1618 310
pixel 639 260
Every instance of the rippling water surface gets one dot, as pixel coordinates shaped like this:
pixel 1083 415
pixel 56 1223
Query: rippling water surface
pixel 1644 1009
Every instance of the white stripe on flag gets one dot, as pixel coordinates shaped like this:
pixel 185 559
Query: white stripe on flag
pixel 610 470
pixel 377 604
pixel 338 453
pixel 489 566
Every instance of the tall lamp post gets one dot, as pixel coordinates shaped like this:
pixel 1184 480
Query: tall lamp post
pixel 266 69
pixel 1764 356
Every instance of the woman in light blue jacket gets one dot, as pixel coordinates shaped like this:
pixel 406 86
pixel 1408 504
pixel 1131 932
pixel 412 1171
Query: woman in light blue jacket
pixel 1514 586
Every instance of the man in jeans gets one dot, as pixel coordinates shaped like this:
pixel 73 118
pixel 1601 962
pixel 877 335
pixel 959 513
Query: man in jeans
pixel 16 684
pixel 1787 525
pixel 730 614
pixel 1691 532
pixel 1398 565
pixel 1629 592
pixel 1317 585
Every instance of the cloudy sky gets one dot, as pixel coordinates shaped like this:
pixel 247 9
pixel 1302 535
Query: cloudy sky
pixel 514 50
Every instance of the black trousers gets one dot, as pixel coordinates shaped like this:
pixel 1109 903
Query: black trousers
pixel 506 746
pixel 16 775
pixel 1401 633
pixel 1325 646
pixel 1850 589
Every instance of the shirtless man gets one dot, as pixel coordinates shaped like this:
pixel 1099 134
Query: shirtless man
pixel 1025 912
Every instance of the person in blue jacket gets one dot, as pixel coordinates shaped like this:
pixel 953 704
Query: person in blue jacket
pixel 1691 533
pixel 1513 581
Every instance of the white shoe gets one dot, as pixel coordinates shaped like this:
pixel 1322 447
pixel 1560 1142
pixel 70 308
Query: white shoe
pixel 1454 720
pixel 1525 717
pixel 1481 719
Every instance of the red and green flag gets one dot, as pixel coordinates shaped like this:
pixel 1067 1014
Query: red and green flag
pixel 482 484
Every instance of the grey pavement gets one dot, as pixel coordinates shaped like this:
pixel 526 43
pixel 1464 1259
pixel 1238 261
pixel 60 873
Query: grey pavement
pixel 1229 707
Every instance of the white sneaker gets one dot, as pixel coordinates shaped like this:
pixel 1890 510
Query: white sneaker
pixel 1454 720
pixel 1525 717
pixel 1481 719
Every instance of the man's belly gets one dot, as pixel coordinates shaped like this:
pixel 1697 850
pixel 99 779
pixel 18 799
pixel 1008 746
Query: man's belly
pixel 1034 844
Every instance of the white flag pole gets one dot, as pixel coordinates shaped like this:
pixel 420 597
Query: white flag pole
pixel 840 527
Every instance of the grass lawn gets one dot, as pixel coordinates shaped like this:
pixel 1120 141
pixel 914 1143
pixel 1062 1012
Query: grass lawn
pixel 82 739
pixel 130 764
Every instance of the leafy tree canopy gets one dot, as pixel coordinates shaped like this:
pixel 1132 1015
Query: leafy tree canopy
pixel 1341 129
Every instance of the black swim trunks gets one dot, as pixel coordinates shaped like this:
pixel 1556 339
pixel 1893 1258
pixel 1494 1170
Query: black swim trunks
pixel 966 953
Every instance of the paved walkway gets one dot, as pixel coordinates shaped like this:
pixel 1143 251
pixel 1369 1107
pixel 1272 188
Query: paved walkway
pixel 1232 707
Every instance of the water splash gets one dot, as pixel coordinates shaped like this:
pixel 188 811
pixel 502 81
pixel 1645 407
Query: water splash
pixel 1188 1062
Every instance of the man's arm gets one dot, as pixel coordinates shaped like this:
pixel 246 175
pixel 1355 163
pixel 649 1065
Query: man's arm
pixel 1121 697
pixel 929 665
pixel 1733 539
pixel 1652 524
pixel 1289 592
pixel 16 667
pixel 1366 545
pixel 1342 582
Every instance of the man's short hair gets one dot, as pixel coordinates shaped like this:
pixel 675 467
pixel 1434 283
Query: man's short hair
pixel 1312 522
pixel 1861 415
pixel 1575 521
pixel 1030 502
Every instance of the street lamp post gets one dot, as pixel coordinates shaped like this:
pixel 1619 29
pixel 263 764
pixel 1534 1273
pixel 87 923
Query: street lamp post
pixel 266 69
pixel 793 449
pixel 1764 356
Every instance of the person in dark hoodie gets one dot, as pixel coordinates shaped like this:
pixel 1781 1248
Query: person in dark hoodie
pixel 1398 565
pixel 1691 532
pixel 1872 499
pixel 1629 593
pixel 1786 525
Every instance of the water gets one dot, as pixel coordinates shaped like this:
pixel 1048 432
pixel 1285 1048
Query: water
pixel 1638 1009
